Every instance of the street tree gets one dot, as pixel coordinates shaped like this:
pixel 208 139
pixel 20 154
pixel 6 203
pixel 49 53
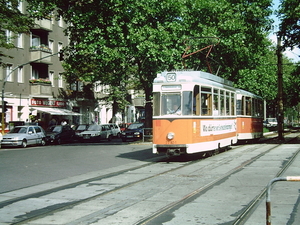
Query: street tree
pixel 289 32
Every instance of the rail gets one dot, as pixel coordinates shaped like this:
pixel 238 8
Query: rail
pixel 268 197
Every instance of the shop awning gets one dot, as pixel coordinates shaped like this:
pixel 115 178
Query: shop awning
pixel 56 111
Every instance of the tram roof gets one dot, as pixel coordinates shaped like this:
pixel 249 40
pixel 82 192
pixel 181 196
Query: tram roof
pixel 247 93
pixel 189 76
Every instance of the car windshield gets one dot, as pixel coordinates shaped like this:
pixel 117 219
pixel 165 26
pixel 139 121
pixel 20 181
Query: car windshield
pixel 94 127
pixel 134 126
pixel 56 129
pixel 19 130
pixel 81 127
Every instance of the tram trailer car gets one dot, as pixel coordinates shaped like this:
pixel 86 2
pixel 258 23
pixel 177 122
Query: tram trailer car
pixel 250 115
pixel 195 111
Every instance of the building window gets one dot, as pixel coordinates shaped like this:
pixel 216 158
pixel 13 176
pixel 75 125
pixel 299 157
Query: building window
pixel 59 47
pixel 60 22
pixel 8 37
pixel 51 78
pixel 51 42
pixel 39 70
pixel 39 41
pixel 20 6
pixel 20 75
pixel 20 41
pixel 60 81
pixel 9 76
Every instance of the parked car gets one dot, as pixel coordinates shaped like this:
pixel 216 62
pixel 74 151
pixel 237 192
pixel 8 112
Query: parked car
pixel 271 122
pixel 123 126
pixel 58 134
pixel 97 132
pixel 24 136
pixel 80 128
pixel 134 132
pixel 115 129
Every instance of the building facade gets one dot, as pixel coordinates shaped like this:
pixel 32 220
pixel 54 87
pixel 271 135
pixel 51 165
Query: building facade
pixel 32 81
pixel 35 90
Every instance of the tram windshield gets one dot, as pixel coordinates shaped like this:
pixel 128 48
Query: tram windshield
pixel 176 103
pixel 171 103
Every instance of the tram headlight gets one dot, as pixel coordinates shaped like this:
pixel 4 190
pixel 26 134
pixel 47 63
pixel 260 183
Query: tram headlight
pixel 170 135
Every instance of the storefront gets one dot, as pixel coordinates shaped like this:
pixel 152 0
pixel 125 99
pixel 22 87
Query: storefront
pixel 48 112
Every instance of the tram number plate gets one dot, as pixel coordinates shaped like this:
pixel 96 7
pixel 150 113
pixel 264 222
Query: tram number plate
pixel 171 77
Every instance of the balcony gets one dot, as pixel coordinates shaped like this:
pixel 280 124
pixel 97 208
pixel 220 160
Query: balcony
pixel 41 89
pixel 37 52
pixel 44 24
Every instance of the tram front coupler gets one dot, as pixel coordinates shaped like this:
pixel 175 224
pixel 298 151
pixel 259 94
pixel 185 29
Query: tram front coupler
pixel 173 152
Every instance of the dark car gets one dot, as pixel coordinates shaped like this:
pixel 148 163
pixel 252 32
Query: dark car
pixel 123 126
pixel 59 133
pixel 134 132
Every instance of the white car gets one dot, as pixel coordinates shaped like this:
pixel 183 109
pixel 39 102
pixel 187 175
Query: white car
pixel 23 136
pixel 115 129
pixel 97 132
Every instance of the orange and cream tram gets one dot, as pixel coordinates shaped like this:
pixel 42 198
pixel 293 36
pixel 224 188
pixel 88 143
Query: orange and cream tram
pixel 193 111
pixel 250 115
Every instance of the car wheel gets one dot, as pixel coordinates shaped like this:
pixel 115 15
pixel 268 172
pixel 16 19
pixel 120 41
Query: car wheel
pixel 43 142
pixel 24 144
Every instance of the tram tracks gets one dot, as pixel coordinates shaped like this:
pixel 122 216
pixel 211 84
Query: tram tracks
pixel 36 214
pixel 244 214
pixel 249 209
pixel 167 168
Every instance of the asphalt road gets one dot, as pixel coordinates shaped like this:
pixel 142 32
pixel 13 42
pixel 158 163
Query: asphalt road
pixel 126 189
pixel 25 167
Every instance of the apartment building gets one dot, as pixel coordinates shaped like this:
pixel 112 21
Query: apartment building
pixel 35 89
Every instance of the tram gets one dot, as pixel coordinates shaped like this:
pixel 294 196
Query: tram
pixel 195 111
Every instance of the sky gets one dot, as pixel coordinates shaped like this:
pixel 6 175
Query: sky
pixel 295 53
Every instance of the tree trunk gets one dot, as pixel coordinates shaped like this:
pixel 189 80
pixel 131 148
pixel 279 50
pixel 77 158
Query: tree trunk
pixel 148 107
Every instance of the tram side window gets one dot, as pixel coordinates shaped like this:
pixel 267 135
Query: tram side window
pixel 187 103
pixel 239 107
pixel 254 107
pixel 260 108
pixel 196 101
pixel 222 103
pixel 206 101
pixel 232 104
pixel 248 106
pixel 156 105
pixel 171 103
pixel 216 103
pixel 227 103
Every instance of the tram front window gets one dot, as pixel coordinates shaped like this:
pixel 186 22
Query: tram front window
pixel 171 104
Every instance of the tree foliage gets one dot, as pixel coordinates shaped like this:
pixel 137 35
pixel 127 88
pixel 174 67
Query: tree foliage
pixel 14 21
pixel 118 41
pixel 289 28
